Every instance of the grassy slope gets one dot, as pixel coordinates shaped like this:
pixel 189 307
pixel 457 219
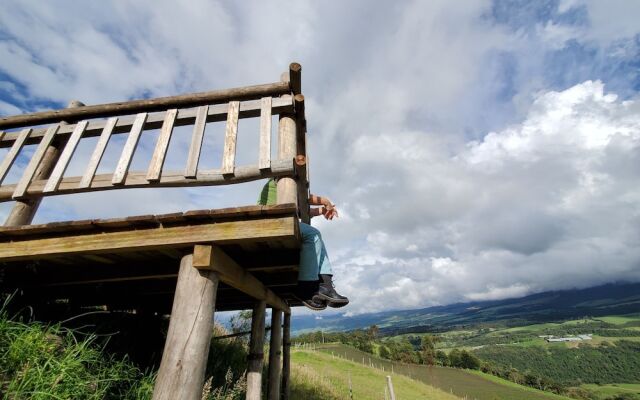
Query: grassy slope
pixel 605 391
pixel 461 383
pixel 367 382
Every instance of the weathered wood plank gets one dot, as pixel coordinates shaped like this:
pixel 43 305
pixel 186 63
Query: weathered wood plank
pixel 273 391
pixel 212 257
pixel 184 359
pixel 265 134
pixel 160 152
pixel 187 116
pixel 129 147
pixel 21 187
pixel 168 179
pixel 295 77
pixel 196 142
pixel 132 240
pixel 65 157
pixel 148 105
pixel 231 132
pixel 98 152
pixel 256 343
pixel 13 152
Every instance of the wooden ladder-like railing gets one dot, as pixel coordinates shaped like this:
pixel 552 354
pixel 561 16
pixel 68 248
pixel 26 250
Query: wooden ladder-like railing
pixel 136 117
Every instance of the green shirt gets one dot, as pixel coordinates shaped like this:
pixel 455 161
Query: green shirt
pixel 268 194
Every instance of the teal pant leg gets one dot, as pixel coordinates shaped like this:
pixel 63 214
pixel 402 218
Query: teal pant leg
pixel 314 259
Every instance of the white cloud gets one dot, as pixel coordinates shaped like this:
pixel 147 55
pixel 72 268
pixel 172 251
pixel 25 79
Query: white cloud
pixel 457 177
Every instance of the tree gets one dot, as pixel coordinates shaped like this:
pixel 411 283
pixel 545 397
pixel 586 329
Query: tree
pixel 384 352
pixel 442 358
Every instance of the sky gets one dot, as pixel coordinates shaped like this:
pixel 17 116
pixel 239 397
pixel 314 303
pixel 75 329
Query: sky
pixel 475 150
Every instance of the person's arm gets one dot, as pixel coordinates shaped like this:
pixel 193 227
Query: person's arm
pixel 327 209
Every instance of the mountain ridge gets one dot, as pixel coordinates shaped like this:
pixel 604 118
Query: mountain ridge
pixel 557 305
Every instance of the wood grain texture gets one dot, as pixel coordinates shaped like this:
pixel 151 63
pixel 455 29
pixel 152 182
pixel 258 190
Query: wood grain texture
pixel 186 116
pixel 230 139
pixel 295 77
pixel 275 350
pixel 184 359
pixel 168 179
pixel 139 240
pixel 63 161
pixel 196 142
pixel 13 152
pixel 36 158
pixel 129 148
pixel 264 161
pixel 256 344
pixel 150 105
pixel 98 152
pixel 160 152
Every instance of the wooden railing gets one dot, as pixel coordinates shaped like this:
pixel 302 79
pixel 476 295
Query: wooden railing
pixel 134 118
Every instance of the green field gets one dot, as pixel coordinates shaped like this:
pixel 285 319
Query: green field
pixel 472 385
pixel 332 374
pixel 606 391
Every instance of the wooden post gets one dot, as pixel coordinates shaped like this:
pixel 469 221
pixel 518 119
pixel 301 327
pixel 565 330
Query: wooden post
pixel 23 211
pixel 184 359
pixel 254 370
pixel 392 394
pixel 275 350
pixel 287 148
pixel 286 355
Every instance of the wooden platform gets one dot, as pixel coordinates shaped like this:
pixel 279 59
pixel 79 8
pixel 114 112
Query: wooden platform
pixel 132 263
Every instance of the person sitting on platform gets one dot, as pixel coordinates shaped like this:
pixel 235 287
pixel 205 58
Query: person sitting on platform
pixel 315 285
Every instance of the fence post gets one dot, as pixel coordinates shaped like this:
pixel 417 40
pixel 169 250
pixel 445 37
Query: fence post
pixel 392 395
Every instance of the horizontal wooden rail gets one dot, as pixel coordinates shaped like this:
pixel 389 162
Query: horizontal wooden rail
pixel 168 179
pixel 150 105
pixel 186 116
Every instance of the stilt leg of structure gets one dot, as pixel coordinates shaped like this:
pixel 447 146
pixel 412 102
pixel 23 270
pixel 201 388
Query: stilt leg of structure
pixel 254 371
pixel 181 374
pixel 286 355
pixel 275 350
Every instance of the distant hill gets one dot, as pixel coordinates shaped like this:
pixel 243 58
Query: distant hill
pixel 610 299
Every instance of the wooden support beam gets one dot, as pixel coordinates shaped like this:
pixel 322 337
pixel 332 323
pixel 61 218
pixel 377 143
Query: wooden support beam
pixel 129 148
pixel 286 356
pixel 63 161
pixel 146 239
pixel 13 153
pixel 150 105
pixel 212 257
pixel 295 77
pixel 184 359
pixel 275 350
pixel 287 150
pixel 256 344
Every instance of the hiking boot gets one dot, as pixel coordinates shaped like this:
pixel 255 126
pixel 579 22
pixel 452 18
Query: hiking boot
pixel 315 304
pixel 327 292
pixel 306 291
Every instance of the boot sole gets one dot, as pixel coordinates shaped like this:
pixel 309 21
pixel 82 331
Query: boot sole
pixel 337 305
pixel 331 299
pixel 314 308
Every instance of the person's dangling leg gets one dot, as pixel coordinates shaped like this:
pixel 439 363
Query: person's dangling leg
pixel 310 250
pixel 315 260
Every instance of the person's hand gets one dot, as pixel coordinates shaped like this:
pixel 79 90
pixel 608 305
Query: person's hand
pixel 329 211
